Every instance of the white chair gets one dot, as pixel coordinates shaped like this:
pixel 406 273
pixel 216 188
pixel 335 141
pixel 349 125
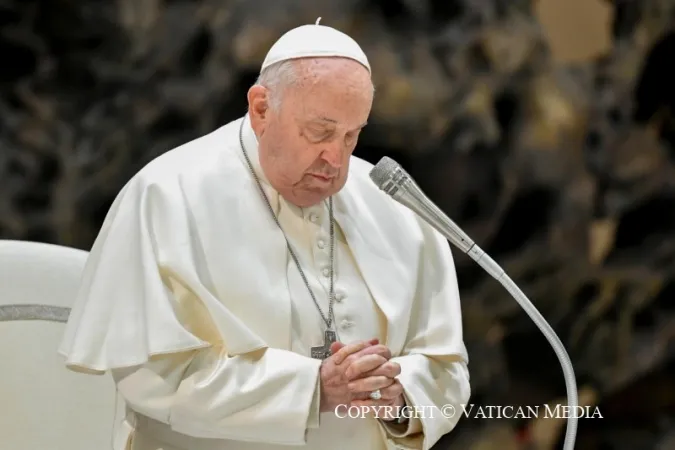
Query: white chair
pixel 43 405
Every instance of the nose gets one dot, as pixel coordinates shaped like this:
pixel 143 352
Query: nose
pixel 332 154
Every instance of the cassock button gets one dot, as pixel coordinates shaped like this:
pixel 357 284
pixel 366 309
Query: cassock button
pixel 326 272
pixel 346 324
pixel 314 217
pixel 321 243
pixel 339 296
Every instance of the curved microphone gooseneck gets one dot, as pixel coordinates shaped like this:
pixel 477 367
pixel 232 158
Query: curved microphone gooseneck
pixel 391 178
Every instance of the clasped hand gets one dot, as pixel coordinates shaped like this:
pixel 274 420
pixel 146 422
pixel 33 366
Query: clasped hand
pixel 355 370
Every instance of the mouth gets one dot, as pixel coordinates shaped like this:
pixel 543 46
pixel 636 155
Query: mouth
pixel 322 177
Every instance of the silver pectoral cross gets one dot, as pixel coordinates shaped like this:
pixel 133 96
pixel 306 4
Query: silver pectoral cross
pixel 323 351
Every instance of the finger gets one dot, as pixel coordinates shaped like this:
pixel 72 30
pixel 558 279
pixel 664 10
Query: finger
pixel 369 404
pixel 378 349
pixel 392 392
pixel 362 365
pixel 360 396
pixel 370 384
pixel 389 369
pixel 349 349
pixel 336 346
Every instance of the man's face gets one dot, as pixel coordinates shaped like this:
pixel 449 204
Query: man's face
pixel 306 144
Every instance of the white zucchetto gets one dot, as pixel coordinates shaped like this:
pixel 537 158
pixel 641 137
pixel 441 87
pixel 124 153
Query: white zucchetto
pixel 316 40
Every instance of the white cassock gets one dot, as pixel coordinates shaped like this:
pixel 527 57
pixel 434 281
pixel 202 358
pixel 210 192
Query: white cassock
pixel 191 299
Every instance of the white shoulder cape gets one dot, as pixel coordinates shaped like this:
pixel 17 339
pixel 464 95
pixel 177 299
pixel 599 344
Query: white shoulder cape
pixel 189 257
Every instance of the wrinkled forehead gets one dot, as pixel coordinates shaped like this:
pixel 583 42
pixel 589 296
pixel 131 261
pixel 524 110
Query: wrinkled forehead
pixel 336 91
pixel 332 72
pixel 333 110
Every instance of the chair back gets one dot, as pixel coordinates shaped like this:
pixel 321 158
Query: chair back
pixel 43 405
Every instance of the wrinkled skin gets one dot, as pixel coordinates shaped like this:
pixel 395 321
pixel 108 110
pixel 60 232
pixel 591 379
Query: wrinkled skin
pixel 305 145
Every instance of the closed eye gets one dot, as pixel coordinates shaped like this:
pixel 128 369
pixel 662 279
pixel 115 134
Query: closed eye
pixel 317 136
pixel 319 133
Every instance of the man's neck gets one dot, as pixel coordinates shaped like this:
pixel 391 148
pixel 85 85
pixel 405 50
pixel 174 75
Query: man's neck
pixel 292 200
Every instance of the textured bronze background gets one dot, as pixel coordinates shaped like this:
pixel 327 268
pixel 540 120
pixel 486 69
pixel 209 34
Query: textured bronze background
pixel 558 160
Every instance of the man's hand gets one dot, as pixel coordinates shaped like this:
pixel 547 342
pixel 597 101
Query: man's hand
pixel 334 381
pixel 369 372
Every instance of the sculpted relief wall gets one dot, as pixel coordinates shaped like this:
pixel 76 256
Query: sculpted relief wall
pixel 547 137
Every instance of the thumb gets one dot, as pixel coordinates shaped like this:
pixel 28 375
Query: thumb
pixel 335 347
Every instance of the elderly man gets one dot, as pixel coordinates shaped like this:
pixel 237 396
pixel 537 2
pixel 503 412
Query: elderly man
pixel 254 290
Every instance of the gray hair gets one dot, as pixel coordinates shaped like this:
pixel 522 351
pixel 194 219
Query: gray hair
pixel 276 78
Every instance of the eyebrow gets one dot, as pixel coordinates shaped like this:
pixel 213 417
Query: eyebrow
pixel 327 119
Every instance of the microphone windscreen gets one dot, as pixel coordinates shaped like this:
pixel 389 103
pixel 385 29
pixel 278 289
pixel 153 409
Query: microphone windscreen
pixel 383 171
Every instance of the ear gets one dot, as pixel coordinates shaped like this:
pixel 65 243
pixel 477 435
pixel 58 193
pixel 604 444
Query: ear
pixel 258 107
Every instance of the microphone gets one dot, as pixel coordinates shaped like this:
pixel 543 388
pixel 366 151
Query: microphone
pixel 391 178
